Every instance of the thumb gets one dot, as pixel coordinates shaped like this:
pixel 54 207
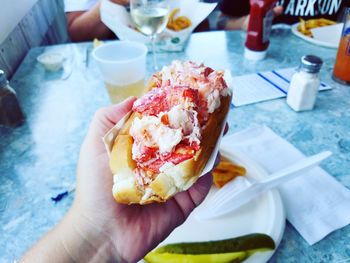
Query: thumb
pixel 105 118
pixel 200 189
pixel 190 199
pixel 112 114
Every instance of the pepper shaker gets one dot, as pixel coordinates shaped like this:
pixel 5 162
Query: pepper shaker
pixel 10 112
pixel 304 85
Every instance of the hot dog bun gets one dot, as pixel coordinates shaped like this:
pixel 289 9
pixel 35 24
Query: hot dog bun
pixel 172 179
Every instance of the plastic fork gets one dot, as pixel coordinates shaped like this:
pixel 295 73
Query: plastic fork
pixel 240 191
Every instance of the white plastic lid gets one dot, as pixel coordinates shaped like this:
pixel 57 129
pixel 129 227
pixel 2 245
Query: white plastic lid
pixel 121 62
pixel 254 55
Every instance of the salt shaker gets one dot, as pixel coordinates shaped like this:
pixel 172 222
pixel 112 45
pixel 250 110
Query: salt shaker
pixel 304 85
pixel 10 111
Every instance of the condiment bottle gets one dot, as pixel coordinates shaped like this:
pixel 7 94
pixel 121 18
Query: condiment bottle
pixel 10 111
pixel 259 28
pixel 304 85
pixel 341 71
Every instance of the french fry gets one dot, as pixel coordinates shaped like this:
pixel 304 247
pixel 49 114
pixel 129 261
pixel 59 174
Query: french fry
pixel 97 43
pixel 305 27
pixel 226 171
pixel 179 23
pixel 172 15
pixel 183 22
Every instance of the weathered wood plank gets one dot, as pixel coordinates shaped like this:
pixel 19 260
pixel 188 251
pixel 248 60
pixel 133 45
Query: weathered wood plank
pixel 59 25
pixel 4 67
pixel 31 30
pixel 49 8
pixel 40 19
pixel 52 36
pixel 62 25
pixel 54 12
pixel 14 49
pixel 60 4
pixel 44 24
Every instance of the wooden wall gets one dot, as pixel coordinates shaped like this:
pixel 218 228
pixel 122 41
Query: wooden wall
pixel 44 24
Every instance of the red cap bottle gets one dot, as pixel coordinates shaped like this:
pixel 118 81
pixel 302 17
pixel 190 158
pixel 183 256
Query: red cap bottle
pixel 259 28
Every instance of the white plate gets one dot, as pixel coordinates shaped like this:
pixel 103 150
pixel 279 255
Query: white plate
pixel 330 44
pixel 263 215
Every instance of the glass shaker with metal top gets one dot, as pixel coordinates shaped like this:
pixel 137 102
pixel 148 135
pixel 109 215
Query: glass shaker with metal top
pixel 10 112
pixel 304 85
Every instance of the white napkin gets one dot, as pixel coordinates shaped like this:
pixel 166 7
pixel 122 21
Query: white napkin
pixel 328 34
pixel 316 203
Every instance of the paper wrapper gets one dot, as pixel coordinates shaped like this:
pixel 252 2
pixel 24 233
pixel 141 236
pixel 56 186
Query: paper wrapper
pixel 118 19
pixel 328 34
pixel 112 134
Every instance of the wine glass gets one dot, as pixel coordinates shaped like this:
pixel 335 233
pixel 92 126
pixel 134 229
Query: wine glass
pixel 151 18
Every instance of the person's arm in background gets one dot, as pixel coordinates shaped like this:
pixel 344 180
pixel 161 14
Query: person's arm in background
pixel 87 25
pixel 227 22
pixel 235 14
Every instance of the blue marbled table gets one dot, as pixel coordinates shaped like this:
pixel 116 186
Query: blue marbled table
pixel 38 160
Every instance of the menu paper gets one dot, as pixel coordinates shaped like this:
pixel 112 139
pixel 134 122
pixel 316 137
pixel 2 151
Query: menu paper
pixel 262 86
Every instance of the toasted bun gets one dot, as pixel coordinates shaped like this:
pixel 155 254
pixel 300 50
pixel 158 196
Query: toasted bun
pixel 174 179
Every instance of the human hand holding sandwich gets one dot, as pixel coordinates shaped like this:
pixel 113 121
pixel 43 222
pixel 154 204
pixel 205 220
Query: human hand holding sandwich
pixel 96 228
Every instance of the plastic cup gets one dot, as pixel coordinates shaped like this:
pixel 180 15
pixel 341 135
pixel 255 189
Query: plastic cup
pixel 123 68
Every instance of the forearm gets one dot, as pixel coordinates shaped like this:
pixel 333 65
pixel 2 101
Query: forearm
pixel 49 247
pixel 226 22
pixel 87 25
pixel 72 240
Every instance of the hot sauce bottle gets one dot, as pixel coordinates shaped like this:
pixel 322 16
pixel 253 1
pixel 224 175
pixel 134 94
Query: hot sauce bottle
pixel 259 28
pixel 341 71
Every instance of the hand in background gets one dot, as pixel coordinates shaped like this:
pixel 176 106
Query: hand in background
pixel 121 2
pixel 241 23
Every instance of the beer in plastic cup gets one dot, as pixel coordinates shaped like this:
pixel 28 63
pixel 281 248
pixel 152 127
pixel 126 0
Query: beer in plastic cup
pixel 123 68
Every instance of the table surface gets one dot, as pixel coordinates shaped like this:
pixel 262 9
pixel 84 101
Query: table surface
pixel 38 159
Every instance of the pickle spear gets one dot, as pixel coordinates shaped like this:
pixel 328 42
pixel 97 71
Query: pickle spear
pixel 246 243
pixel 235 257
